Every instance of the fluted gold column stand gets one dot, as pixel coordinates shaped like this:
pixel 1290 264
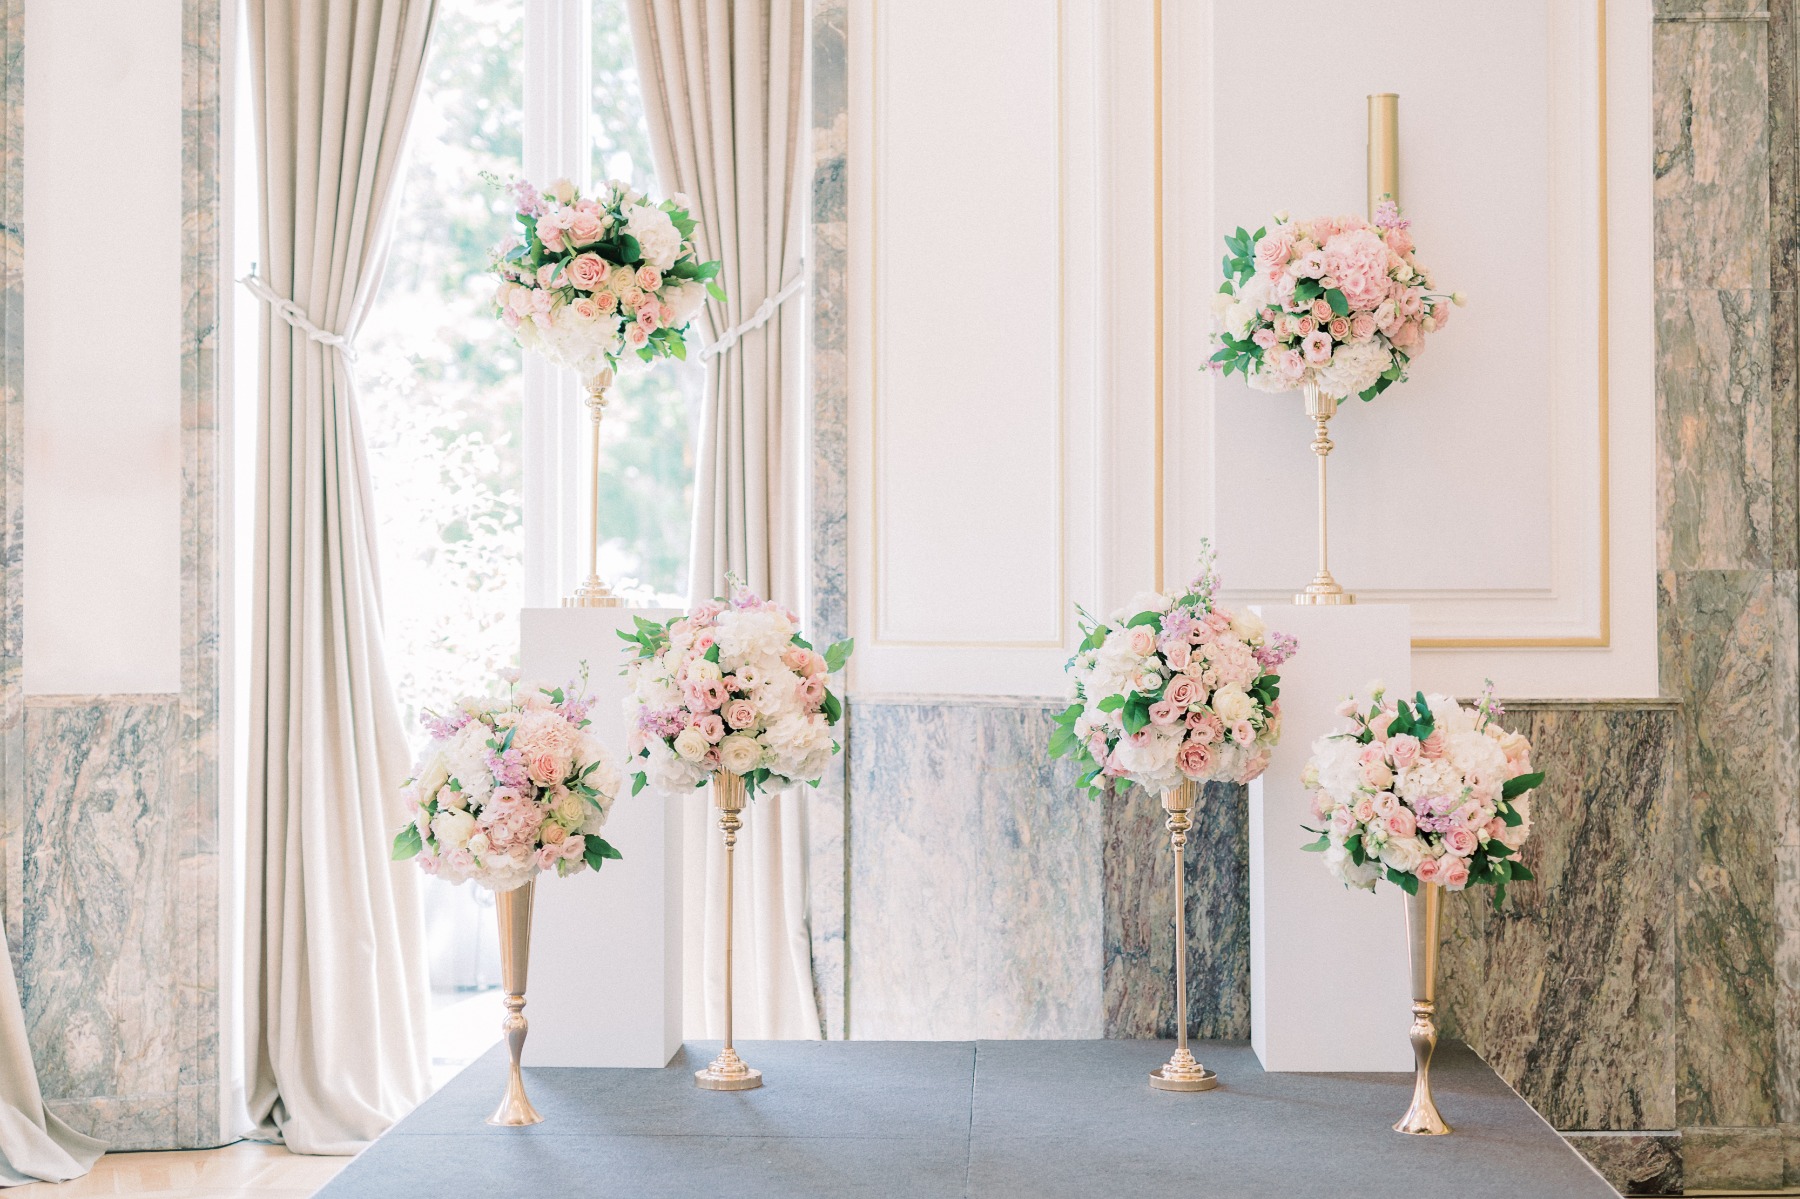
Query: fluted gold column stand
pixel 595 593
pixel 728 1071
pixel 1323 589
pixel 1422 1119
pixel 1181 1072
pixel 514 910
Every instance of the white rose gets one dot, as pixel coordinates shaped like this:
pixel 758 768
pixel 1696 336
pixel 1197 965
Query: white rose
pixel 1248 627
pixel 657 238
pixel 704 671
pixel 1232 705
pixel 1403 854
pixel 739 754
pixel 453 829
pixel 478 844
pixel 691 744
pixel 684 301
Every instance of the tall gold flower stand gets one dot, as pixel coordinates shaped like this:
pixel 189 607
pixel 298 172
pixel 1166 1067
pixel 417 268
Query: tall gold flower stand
pixel 1181 1072
pixel 728 1071
pixel 514 911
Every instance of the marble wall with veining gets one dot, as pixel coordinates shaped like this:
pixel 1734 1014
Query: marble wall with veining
pixel 1729 609
pixel 827 264
pixel 976 872
pixel 109 804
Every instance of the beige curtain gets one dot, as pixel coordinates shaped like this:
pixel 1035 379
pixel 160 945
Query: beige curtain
pixel 724 89
pixel 34 1145
pixel 337 991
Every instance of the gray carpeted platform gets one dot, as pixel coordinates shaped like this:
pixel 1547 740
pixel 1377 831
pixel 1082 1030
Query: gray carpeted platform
pixel 989 1118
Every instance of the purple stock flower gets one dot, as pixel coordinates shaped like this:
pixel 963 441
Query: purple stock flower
pixel 1278 649
pixel 508 768
pixel 442 728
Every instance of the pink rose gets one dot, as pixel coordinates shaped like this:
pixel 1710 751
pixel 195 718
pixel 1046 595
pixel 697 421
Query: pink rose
pixel 1460 841
pixel 1264 337
pixel 1405 750
pixel 606 302
pixel 1365 810
pixel 1402 823
pixel 1433 746
pixel 1343 822
pixel 1495 828
pixel 1183 692
pixel 1318 348
pixel 1377 775
pixel 585 229
pixel 573 848
pixel 1339 328
pixel 636 336
pixel 1406 335
pixel 1399 241
pixel 1385 803
pixel 1305 325
pixel 795 657
pixel 587 271
pixel 1321 309
pixel 1322 804
pixel 1427 870
pixel 1242 733
pixel 1362 326
pixel 1193 759
pixel 1290 364
pixel 586 309
pixel 1453 873
pixel 1273 250
pixel 553 833
pixel 648 277
pixel 548 856
pixel 546 768
pixel 740 714
pixel 1178 654
pixel 711 727
pixel 1142 641
pixel 546 275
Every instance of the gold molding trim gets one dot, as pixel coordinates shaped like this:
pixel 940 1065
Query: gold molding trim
pixel 877 82
pixel 1604 639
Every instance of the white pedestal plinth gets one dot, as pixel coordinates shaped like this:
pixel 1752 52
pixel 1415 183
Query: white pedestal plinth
pixel 1329 983
pixel 605 986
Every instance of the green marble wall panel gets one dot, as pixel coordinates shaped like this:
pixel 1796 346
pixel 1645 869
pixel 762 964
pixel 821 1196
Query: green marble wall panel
pixel 1569 991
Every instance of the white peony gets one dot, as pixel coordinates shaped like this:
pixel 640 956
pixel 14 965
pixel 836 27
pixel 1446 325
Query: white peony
pixel 1232 704
pixel 657 238
pixel 1354 368
pixel 452 829
pixel 684 301
pixel 1403 854
pixel 1247 626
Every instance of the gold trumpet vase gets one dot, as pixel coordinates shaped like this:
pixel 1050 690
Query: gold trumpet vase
pixel 594 593
pixel 1422 1119
pixel 514 910
pixel 1320 409
pixel 1181 1072
pixel 728 1071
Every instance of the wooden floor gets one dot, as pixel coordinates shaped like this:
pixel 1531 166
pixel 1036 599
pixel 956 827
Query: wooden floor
pixel 240 1171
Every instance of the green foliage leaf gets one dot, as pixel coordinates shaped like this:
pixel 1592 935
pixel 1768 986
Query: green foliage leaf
pixel 639 781
pixel 1319 846
pixel 1408 883
pixel 838 653
pixel 1521 874
pixel 715 291
pixel 1354 847
pixel 1516 787
pixel 1340 303
pixel 1111 703
pixel 1153 619
pixel 1137 713
pixel 832 708
pixel 407 843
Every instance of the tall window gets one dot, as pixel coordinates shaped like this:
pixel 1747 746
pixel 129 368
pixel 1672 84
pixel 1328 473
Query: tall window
pixel 442 406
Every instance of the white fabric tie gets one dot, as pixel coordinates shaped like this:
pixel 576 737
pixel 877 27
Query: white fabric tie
pixel 291 312
pixel 757 320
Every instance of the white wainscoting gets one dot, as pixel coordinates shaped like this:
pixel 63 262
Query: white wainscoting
pixel 1020 400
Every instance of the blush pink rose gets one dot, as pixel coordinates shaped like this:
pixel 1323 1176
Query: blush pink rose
pixel 1461 842
pixel 1339 328
pixel 1273 250
pixel 649 278
pixel 1433 746
pixel 1141 640
pixel 740 714
pixel 1453 873
pixel 548 856
pixel 1407 335
pixel 1495 828
pixel 1193 759
pixel 1322 804
pixel 1405 750
pixel 1362 326
pixel 1402 823
pixel 1206 728
pixel 1321 310
pixel 1427 870
pixel 587 271
pixel 795 657
pixel 1343 822
pixel 1365 809
pixel 1399 241
pixel 1377 775
pixel 1183 692
pixel 636 336
pixel 585 229
pixel 1290 364
pixel 1178 655
pixel 1264 337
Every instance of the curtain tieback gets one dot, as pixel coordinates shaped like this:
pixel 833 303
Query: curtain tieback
pixel 292 313
pixel 757 320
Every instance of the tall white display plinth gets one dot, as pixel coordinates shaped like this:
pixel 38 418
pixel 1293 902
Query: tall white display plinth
pixel 605 985
pixel 1329 983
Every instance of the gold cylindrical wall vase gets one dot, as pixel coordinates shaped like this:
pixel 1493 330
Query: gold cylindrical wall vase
pixel 514 910
pixel 1422 911
pixel 1323 589
pixel 1384 149
pixel 728 1071
pixel 1181 1072
pixel 594 593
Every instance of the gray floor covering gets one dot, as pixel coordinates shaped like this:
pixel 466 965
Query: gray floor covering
pixel 988 1118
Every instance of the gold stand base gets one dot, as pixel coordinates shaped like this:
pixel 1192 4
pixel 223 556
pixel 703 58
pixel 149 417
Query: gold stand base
pixel 1161 1080
pixel 728 1073
pixel 1324 590
pixel 593 594
pixel 1423 1120
pixel 515 1110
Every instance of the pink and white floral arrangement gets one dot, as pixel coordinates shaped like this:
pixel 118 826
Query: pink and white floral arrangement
pixel 1173 688
pixel 1423 792
pixel 1336 301
pixel 508 788
pixel 590 278
pixel 731 686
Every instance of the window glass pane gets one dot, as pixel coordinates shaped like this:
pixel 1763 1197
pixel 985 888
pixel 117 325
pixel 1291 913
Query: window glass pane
pixel 647 446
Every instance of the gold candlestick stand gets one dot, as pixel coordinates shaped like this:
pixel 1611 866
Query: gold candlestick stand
pixel 1323 589
pixel 514 910
pixel 1422 1119
pixel 1181 1072
pixel 728 1071
pixel 595 593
